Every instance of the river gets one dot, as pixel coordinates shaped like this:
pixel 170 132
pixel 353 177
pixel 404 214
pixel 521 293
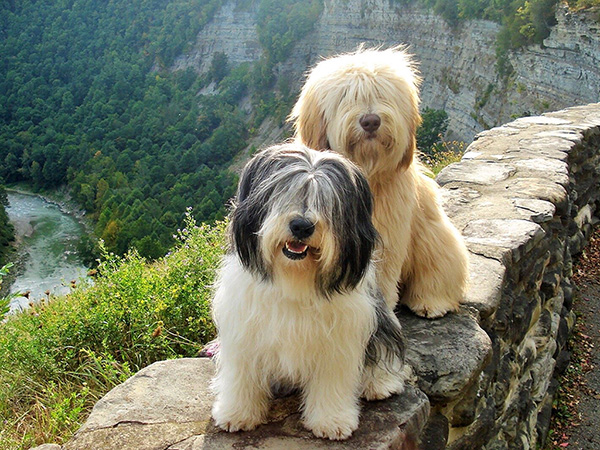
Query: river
pixel 47 239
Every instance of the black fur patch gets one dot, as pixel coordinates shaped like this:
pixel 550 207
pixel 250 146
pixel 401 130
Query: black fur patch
pixel 387 342
pixel 352 225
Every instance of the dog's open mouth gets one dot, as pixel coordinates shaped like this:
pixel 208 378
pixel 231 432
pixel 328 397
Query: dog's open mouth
pixel 295 250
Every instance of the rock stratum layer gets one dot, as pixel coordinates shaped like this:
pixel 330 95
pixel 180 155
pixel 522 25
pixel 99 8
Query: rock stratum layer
pixel 525 196
pixel 458 65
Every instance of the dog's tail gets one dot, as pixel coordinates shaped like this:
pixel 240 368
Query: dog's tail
pixel 386 345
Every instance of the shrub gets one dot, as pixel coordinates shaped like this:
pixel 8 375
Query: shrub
pixel 433 127
pixel 60 356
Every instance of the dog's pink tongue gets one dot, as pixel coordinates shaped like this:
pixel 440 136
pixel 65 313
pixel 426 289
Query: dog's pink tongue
pixel 296 247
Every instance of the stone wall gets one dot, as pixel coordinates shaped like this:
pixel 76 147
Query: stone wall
pixel 525 196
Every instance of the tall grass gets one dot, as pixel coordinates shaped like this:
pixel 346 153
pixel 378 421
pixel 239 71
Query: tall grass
pixel 443 154
pixel 61 355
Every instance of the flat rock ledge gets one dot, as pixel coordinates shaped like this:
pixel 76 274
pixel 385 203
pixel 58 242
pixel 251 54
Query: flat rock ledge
pixel 526 197
pixel 446 354
pixel 167 406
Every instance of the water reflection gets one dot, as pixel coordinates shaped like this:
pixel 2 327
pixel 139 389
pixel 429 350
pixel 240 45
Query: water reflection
pixel 49 239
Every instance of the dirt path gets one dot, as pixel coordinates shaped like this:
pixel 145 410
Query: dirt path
pixel 576 416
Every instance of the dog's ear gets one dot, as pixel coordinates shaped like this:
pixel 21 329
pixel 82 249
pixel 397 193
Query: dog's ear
pixel 366 232
pixel 409 154
pixel 247 178
pixel 248 214
pixel 410 151
pixel 309 121
pixel 258 169
pixel 357 233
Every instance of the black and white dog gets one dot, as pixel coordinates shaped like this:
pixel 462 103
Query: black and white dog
pixel 296 299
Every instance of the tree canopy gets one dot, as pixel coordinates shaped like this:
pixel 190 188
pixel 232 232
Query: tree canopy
pixel 88 101
pixel 92 102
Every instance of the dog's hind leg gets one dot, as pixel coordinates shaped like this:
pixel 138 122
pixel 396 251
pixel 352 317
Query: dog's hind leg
pixel 384 373
pixel 381 382
pixel 436 274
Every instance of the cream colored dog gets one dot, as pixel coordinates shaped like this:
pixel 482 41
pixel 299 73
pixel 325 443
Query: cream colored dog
pixel 365 105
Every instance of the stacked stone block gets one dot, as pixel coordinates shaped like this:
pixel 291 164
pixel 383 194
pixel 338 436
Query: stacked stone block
pixel 525 196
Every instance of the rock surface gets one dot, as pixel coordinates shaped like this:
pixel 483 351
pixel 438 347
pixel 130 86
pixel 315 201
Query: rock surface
pixel 446 354
pixel 524 197
pixel 167 406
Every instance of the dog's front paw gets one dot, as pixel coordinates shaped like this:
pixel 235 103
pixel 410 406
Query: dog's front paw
pixel 237 419
pixel 334 428
pixel 428 312
pixel 433 308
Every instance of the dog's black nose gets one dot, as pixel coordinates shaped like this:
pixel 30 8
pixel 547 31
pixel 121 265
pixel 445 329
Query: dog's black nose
pixel 301 228
pixel 370 122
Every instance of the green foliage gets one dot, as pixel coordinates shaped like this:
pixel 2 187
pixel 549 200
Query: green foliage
pixel 538 17
pixel 86 106
pixel 435 152
pixel 219 67
pixel 281 23
pixel 524 21
pixel 584 4
pixel 433 127
pixel 5 301
pixel 448 9
pixel 443 154
pixel 484 98
pixel 7 232
pixel 59 357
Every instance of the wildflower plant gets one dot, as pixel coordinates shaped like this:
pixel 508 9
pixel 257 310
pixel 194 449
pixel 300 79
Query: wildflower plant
pixel 443 154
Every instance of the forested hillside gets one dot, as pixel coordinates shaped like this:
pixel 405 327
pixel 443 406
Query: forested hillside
pixel 89 100
pixel 6 229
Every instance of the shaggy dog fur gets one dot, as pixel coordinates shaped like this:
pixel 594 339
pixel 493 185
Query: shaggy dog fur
pixel 296 299
pixel 364 105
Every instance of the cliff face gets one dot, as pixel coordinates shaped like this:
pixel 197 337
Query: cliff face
pixel 565 71
pixel 458 66
pixel 232 31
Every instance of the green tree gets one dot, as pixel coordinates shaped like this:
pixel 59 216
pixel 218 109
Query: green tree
pixel 432 129
pixel 219 67
pixel 7 234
